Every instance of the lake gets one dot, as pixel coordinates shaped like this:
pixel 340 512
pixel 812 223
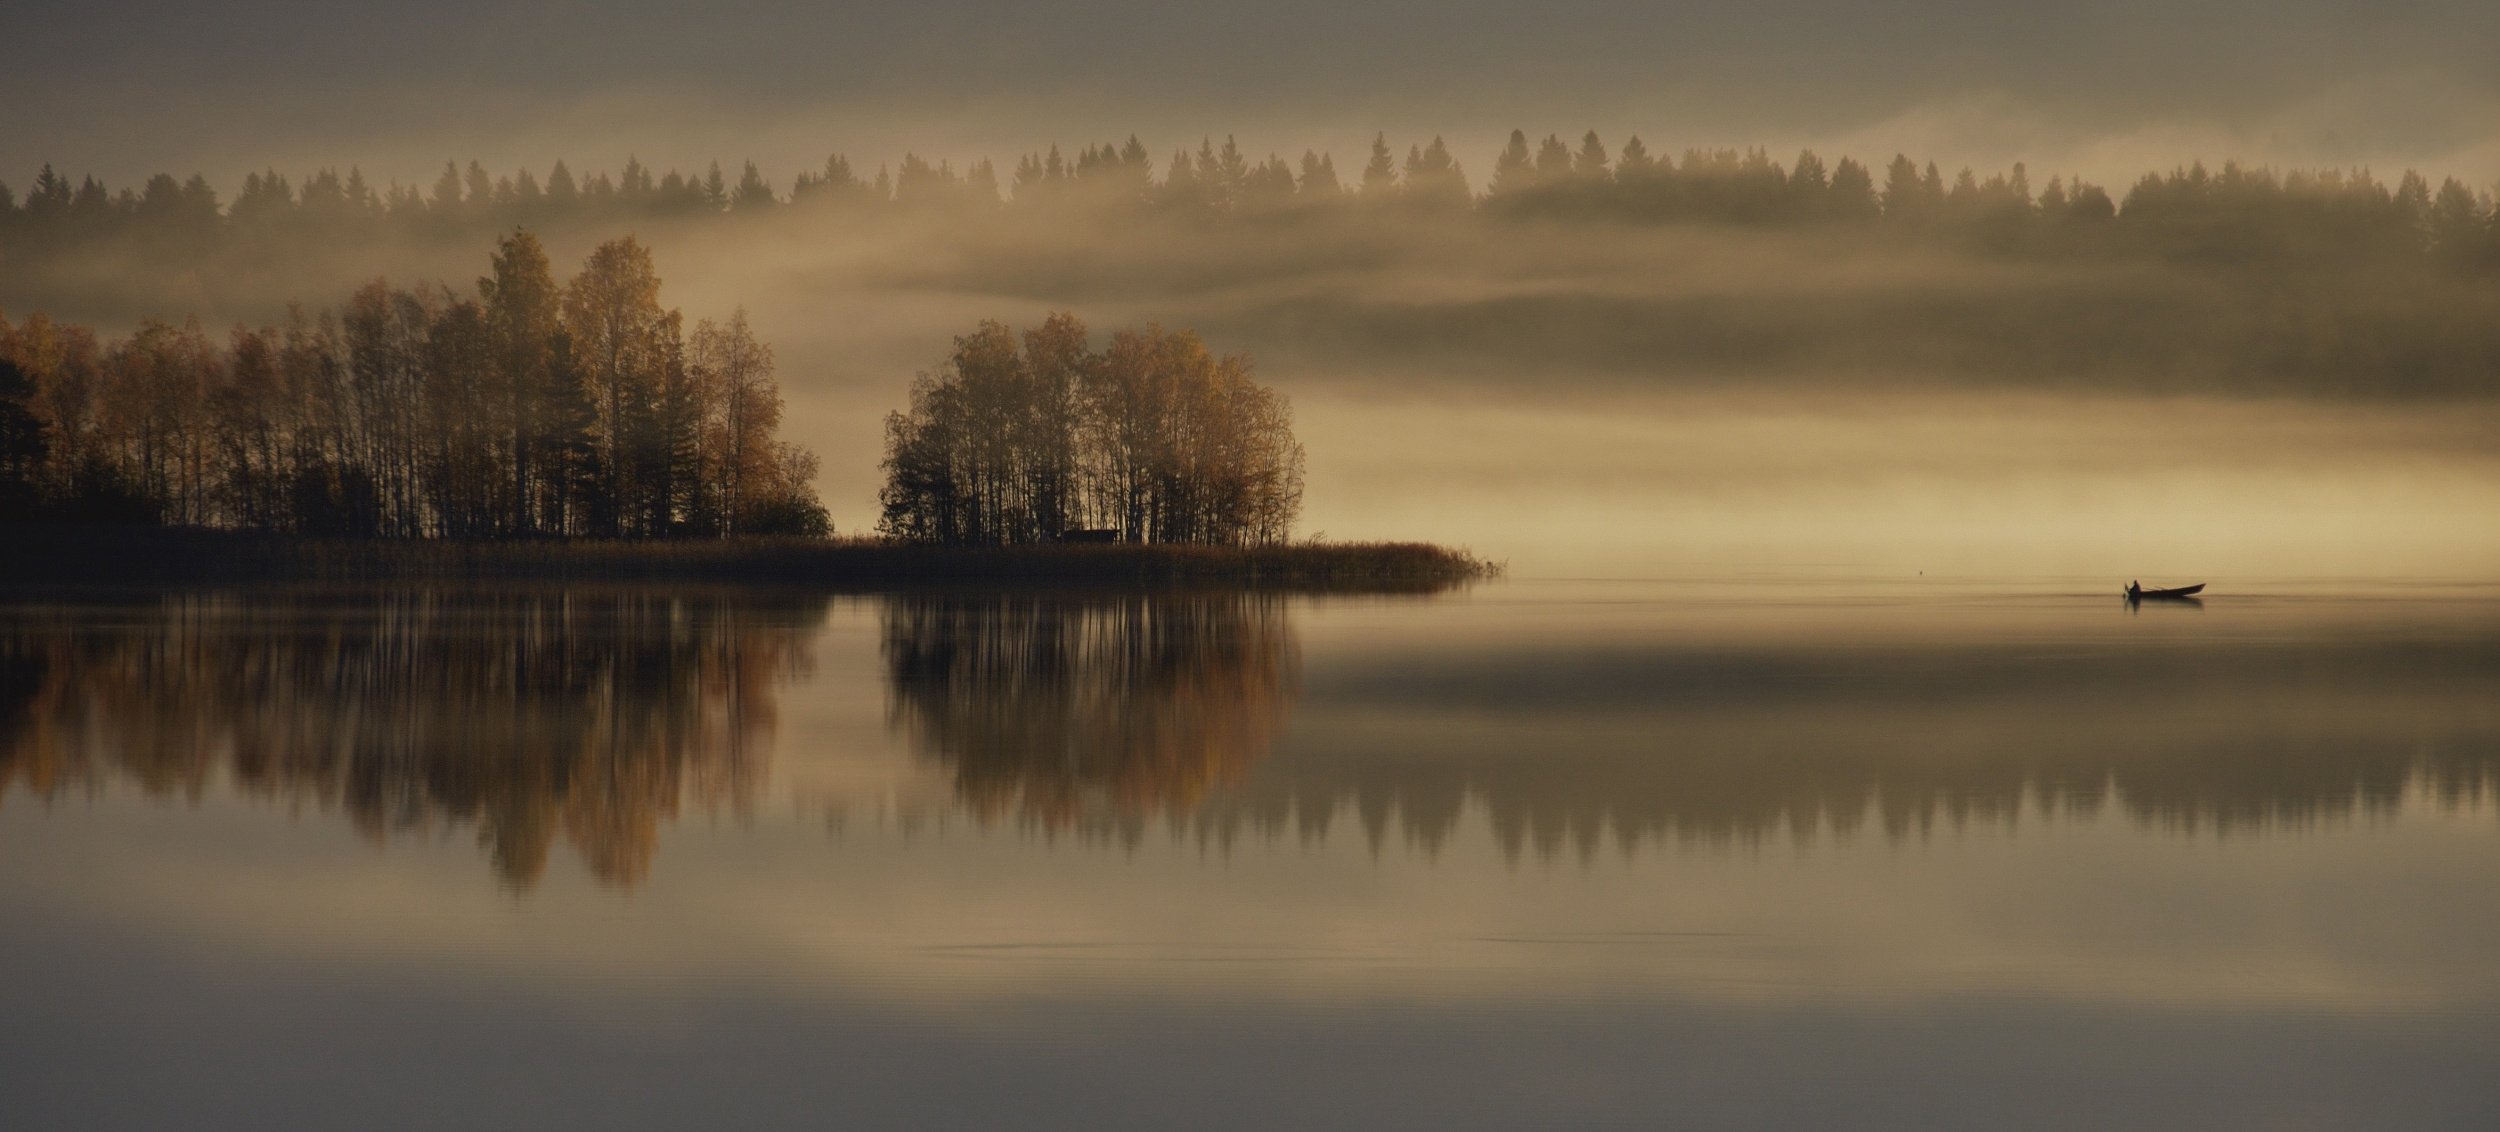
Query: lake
pixel 1784 849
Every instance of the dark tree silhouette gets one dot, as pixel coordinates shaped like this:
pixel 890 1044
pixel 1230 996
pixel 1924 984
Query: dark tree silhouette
pixel 24 444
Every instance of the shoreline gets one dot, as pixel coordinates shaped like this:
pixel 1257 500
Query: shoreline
pixel 58 555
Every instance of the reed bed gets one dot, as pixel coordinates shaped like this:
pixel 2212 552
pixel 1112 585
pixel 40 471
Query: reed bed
pixel 79 555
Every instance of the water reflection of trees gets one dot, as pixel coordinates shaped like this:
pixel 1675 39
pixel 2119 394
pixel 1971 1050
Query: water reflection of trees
pixel 592 718
pixel 1102 714
pixel 1624 746
pixel 587 717
pixel 1061 709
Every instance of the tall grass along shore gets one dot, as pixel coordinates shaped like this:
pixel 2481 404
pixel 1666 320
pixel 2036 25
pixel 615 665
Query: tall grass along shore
pixel 74 555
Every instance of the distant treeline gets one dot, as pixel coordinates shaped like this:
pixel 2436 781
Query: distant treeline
pixel 525 409
pixel 2233 213
pixel 1153 439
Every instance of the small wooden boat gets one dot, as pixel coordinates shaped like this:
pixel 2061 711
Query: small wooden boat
pixel 2138 593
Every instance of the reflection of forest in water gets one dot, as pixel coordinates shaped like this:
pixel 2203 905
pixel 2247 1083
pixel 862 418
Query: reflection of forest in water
pixel 586 716
pixel 595 717
pixel 1101 714
pixel 1664 743
pixel 1060 709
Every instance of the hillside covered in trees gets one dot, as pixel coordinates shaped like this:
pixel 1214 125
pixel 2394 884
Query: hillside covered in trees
pixel 1716 266
pixel 526 408
pixel 2232 212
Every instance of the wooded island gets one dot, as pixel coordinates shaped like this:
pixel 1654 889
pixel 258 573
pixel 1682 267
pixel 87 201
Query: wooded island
pixel 531 430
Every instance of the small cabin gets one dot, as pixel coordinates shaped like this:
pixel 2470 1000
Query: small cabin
pixel 1090 534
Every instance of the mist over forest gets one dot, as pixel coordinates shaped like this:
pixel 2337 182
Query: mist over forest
pixel 1709 266
pixel 1519 346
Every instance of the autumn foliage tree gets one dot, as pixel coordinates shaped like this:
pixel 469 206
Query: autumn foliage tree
pixel 1154 437
pixel 525 409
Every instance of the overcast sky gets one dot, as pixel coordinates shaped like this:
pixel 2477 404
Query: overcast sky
pixel 122 88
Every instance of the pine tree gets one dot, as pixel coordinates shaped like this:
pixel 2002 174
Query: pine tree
pixel 1434 179
pixel 1591 162
pixel 1514 172
pixel 1380 174
pixel 50 197
pixel 713 194
pixel 563 194
pixel 1853 192
pixel 1318 180
pixel 1634 163
pixel 752 196
pixel 1553 160
pixel 1903 198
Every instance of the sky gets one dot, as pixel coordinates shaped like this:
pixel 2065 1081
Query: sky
pixel 124 88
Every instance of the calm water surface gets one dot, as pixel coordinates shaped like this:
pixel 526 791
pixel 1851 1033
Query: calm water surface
pixel 1738 853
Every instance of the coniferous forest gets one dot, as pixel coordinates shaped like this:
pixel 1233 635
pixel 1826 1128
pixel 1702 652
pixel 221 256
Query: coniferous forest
pixel 2229 212
pixel 1615 257
pixel 527 408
